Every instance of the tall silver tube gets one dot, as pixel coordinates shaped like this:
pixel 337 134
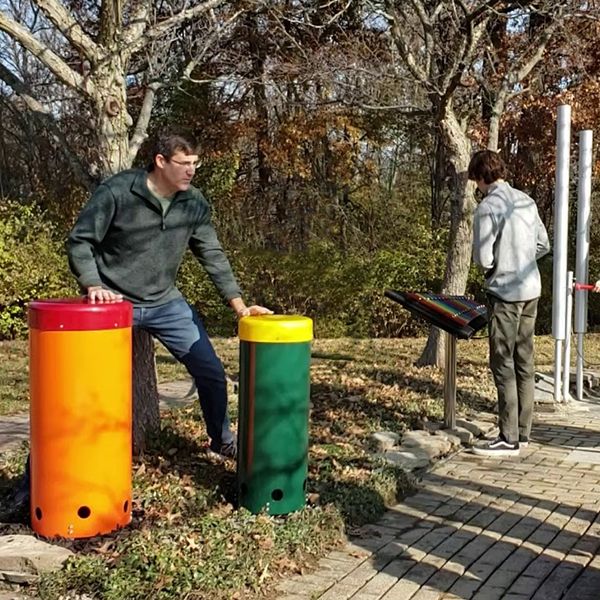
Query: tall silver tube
pixel 579 366
pixel 584 194
pixel 561 223
pixel 568 320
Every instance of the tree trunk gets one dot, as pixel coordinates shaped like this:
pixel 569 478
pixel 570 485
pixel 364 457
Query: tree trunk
pixel 259 92
pixel 146 416
pixel 113 120
pixel 494 124
pixel 458 152
pixel 100 77
pixel 438 183
pixel 114 124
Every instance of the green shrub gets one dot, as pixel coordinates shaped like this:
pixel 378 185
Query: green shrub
pixel 342 292
pixel 364 499
pixel 33 264
pixel 199 291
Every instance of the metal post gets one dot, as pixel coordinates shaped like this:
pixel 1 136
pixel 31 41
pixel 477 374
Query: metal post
pixel 561 218
pixel 450 383
pixel 566 396
pixel 584 193
pixel 579 372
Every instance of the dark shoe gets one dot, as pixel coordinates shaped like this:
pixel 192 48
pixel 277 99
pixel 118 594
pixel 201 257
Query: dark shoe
pixel 21 495
pixel 229 450
pixel 523 441
pixel 226 451
pixel 497 447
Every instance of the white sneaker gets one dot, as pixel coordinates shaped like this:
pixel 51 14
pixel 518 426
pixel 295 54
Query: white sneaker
pixel 497 447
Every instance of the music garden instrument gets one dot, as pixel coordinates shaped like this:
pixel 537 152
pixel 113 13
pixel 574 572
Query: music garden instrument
pixel 460 317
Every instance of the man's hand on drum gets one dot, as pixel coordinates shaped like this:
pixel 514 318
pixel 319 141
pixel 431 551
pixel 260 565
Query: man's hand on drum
pixel 241 310
pixel 97 293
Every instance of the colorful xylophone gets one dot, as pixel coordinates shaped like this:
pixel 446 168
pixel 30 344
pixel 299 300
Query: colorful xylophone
pixel 458 315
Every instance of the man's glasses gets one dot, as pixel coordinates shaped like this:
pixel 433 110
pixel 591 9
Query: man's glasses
pixel 187 165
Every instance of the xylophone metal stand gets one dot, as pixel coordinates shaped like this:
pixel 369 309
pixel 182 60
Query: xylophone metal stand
pixel 450 383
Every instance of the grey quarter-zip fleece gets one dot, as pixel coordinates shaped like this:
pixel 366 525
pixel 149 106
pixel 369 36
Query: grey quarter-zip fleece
pixel 124 241
pixel 508 239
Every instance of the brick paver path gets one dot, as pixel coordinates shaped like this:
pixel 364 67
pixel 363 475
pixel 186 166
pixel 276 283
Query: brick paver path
pixel 483 529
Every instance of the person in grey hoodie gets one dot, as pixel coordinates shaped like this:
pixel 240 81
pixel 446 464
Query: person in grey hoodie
pixel 508 239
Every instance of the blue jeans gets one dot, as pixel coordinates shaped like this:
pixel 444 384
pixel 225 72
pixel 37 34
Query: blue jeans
pixel 179 328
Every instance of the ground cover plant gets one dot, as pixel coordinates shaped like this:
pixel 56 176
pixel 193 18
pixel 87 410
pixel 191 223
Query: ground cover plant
pixel 188 539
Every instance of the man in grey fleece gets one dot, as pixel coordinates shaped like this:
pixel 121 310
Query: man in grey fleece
pixel 508 239
pixel 128 243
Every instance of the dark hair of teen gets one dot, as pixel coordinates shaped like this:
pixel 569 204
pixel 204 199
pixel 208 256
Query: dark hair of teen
pixel 487 166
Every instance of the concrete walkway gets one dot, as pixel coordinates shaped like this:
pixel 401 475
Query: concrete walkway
pixel 517 528
pixel 13 431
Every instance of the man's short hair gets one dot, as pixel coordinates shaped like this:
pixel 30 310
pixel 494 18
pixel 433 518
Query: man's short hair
pixel 169 144
pixel 487 166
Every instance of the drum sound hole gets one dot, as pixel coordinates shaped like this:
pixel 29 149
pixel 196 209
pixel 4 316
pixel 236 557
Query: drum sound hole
pixel 277 495
pixel 84 512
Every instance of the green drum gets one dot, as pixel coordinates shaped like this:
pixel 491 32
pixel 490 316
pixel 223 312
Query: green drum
pixel 274 390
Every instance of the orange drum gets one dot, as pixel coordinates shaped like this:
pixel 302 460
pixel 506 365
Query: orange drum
pixel 80 387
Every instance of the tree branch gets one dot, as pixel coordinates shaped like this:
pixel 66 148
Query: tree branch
pixel 402 47
pixel 427 25
pixel 214 35
pixel 466 54
pixel 137 23
pixel 526 69
pixel 50 59
pixel 396 108
pixel 306 23
pixel 423 16
pixel 141 128
pixel 163 27
pixel 68 26
pixel 482 10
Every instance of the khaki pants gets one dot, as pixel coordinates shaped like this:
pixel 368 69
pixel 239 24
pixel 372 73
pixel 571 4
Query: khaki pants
pixel 512 326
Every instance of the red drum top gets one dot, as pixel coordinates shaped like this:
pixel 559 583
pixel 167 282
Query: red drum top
pixel 77 314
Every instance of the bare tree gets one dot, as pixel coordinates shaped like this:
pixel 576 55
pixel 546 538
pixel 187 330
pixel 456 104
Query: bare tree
pixel 444 47
pixel 437 44
pixel 524 36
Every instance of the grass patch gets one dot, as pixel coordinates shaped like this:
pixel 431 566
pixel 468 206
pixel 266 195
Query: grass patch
pixel 204 556
pixel 188 539
pixel 14 377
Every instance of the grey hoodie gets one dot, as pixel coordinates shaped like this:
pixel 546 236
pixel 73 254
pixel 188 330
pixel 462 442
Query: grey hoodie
pixel 508 238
